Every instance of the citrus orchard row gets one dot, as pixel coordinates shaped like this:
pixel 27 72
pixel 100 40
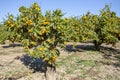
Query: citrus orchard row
pixel 40 34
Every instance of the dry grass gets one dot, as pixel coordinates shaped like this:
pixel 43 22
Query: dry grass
pixel 82 63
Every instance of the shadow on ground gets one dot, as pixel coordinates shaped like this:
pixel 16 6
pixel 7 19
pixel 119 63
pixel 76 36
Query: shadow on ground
pixel 12 45
pixel 80 48
pixel 106 52
pixel 36 64
pixel 111 53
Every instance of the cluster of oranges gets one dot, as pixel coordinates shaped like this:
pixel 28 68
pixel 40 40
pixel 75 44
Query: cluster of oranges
pixel 43 31
pixel 36 7
pixel 29 22
pixel 45 23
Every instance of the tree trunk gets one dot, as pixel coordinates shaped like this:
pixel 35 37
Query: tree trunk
pixel 97 44
pixel 51 73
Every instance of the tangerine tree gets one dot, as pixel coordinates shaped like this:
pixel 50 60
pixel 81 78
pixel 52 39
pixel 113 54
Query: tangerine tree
pixel 42 33
pixel 10 27
pixel 2 34
pixel 81 28
pixel 106 27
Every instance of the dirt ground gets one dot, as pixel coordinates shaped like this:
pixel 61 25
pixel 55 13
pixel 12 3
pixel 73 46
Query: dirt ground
pixel 79 63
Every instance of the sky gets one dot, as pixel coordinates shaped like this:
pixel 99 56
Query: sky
pixel 69 7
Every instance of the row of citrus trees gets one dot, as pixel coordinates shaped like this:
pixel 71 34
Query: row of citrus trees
pixel 102 28
pixel 40 34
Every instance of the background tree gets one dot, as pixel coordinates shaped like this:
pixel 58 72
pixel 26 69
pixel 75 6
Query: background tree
pixel 106 28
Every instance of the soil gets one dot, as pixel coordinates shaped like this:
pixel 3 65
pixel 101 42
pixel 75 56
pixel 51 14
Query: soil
pixel 82 62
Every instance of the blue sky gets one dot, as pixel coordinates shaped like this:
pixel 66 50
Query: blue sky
pixel 70 7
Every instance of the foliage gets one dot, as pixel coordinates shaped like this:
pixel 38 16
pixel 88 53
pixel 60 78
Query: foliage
pixel 11 29
pixel 40 34
pixel 106 27
pixel 102 28
pixel 3 34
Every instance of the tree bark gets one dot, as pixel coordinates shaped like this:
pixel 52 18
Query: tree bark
pixel 97 44
pixel 51 73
